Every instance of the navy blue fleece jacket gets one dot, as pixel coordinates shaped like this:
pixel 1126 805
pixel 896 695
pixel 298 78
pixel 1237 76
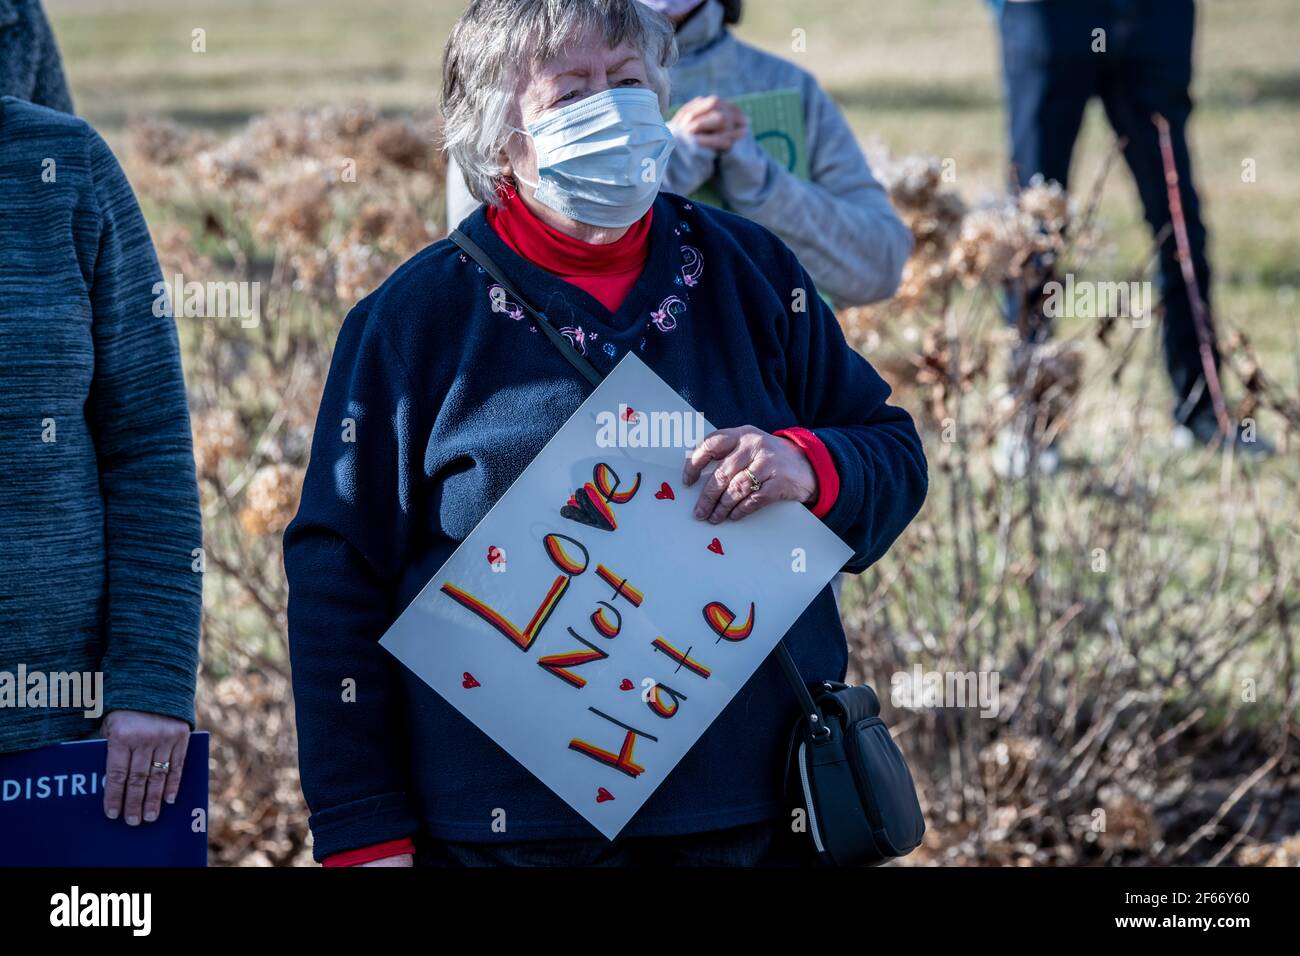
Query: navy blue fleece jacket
pixel 434 405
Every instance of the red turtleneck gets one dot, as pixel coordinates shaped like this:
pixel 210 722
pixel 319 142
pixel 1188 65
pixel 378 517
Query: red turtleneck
pixel 606 272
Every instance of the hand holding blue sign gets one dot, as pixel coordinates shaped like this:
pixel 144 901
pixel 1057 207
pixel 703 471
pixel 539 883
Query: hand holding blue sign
pixel 52 807
pixel 146 754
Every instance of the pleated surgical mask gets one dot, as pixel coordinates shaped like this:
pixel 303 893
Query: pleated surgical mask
pixel 600 160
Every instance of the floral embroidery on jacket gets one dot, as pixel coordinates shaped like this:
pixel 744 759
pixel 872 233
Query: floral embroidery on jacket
pixel 501 302
pixel 665 317
pixel 693 265
pixel 579 337
pixel 671 311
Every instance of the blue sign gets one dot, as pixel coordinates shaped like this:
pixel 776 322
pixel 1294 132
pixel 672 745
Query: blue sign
pixel 52 811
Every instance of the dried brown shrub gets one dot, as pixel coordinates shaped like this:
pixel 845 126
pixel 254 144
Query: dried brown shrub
pixel 1118 617
pixel 317 207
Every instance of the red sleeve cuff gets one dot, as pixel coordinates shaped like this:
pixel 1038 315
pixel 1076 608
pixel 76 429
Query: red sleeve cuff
pixel 367 854
pixel 823 466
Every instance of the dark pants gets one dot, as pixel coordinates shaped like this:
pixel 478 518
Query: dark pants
pixel 767 844
pixel 1051 72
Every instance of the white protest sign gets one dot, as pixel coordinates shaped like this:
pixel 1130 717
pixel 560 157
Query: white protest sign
pixel 590 624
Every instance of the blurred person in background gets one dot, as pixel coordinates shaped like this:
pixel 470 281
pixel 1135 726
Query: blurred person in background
pixel 30 68
pixel 553 109
pixel 98 497
pixel 839 222
pixel 1136 56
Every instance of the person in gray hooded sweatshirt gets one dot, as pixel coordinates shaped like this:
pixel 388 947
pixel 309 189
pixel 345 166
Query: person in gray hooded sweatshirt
pixel 839 222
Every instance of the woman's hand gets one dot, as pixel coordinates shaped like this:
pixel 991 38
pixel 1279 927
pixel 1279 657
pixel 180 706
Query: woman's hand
pixel 138 743
pixel 782 470
pixel 711 121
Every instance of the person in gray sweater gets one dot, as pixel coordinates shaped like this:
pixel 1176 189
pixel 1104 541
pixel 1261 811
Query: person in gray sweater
pixel 839 221
pixel 30 68
pixel 100 533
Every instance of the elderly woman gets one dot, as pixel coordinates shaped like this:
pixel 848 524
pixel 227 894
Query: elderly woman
pixel 436 402
pixel 838 221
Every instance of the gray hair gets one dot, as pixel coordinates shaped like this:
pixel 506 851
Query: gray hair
pixel 495 40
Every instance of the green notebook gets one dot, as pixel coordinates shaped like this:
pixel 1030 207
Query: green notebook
pixel 777 121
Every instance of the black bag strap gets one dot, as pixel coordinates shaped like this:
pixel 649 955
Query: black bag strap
pixel 475 252
pixel 812 713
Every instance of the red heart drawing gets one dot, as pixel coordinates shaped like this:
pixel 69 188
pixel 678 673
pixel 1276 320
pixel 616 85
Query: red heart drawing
pixel 665 492
pixel 626 685
pixel 494 554
pixel 629 414
pixel 715 546
pixel 469 683
pixel 602 795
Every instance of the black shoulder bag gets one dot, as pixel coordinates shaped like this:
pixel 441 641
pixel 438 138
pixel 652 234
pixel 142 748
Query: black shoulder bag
pixel 842 766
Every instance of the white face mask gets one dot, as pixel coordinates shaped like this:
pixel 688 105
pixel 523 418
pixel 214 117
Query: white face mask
pixel 600 160
pixel 672 8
